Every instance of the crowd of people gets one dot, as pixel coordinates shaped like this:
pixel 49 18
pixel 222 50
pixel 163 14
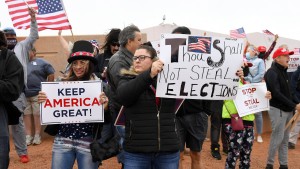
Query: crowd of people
pixel 153 137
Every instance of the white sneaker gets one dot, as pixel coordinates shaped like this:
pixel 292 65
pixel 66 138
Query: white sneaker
pixel 29 140
pixel 259 139
pixel 37 140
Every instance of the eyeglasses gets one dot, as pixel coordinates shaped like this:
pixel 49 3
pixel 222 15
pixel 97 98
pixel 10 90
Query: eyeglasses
pixel 115 44
pixel 140 58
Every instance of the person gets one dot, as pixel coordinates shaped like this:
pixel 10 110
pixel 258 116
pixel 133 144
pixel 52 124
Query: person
pixel 263 53
pixel 256 75
pixel 151 139
pixel 21 50
pixel 295 89
pixel 281 107
pixel 110 47
pixel 38 70
pixel 72 141
pixel 215 128
pixel 240 142
pixel 11 86
pixel 130 39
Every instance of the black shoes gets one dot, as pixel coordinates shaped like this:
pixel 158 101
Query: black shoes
pixel 269 166
pixel 216 153
pixel 291 145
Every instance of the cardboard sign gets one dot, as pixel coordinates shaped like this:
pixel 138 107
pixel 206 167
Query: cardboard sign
pixel 197 67
pixel 251 99
pixel 293 63
pixel 72 102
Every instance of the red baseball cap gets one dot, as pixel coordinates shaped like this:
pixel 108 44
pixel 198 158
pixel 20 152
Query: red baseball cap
pixel 261 49
pixel 282 52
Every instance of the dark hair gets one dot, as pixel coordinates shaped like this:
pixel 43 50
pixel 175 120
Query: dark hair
pixel 3 40
pixel 110 38
pixel 71 75
pixel 149 49
pixel 182 30
pixel 147 43
pixel 127 33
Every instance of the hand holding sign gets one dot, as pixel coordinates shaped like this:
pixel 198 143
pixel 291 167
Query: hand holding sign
pixel 156 68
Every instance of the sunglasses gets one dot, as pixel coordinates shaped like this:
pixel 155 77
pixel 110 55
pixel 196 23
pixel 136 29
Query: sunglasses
pixel 115 44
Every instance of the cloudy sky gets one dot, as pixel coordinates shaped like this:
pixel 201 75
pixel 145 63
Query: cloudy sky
pixel 98 17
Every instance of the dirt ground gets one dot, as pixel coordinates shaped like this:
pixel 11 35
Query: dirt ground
pixel 40 157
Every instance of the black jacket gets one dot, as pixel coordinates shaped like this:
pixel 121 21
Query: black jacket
pixel 11 76
pixel 148 127
pixel 120 60
pixel 103 60
pixel 277 83
pixel 193 106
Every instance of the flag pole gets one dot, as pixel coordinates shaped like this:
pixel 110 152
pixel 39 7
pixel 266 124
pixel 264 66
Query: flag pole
pixel 62 3
pixel 26 3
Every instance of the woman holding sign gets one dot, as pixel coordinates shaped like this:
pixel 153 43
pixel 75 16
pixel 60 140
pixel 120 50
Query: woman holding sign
pixel 72 141
pixel 240 139
pixel 151 138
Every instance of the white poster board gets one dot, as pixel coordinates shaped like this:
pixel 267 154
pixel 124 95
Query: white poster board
pixel 72 102
pixel 293 63
pixel 251 99
pixel 197 67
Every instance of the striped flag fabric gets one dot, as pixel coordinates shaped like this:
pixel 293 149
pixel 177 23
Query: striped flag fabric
pixel 296 51
pixel 199 44
pixel 268 32
pixel 238 33
pixel 50 14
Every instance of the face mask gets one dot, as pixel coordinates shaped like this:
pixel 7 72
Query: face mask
pixel 248 56
pixel 261 55
pixel 11 43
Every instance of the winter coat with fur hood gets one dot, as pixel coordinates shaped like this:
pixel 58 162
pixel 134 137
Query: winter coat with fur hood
pixel 149 127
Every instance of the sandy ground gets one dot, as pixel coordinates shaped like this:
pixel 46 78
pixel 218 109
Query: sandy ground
pixel 40 157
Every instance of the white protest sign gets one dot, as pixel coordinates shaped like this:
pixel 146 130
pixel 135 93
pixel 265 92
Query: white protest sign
pixel 199 67
pixel 251 99
pixel 72 102
pixel 293 63
pixel 156 46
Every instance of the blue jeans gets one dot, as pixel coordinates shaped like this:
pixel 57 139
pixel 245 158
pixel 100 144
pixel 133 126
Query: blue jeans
pixel 65 151
pixel 161 160
pixel 121 132
pixel 4 152
pixel 259 122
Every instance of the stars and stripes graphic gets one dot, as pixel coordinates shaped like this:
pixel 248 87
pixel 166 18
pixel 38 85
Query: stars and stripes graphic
pixel 238 33
pixel 296 51
pixel 50 14
pixel 199 44
pixel 268 32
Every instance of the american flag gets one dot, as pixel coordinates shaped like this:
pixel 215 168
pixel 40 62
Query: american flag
pixel 199 44
pixel 297 51
pixel 238 33
pixel 268 32
pixel 50 15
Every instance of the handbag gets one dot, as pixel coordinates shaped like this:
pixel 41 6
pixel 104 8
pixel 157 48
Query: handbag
pixel 236 121
pixel 106 150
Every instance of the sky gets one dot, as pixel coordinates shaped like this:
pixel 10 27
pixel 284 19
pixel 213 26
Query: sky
pixel 98 16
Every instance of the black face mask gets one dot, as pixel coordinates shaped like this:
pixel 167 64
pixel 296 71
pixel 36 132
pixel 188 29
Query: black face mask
pixel 11 43
pixel 261 55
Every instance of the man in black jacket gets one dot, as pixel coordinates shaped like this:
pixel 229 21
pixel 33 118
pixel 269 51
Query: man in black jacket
pixel 130 39
pixel 11 86
pixel 281 107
